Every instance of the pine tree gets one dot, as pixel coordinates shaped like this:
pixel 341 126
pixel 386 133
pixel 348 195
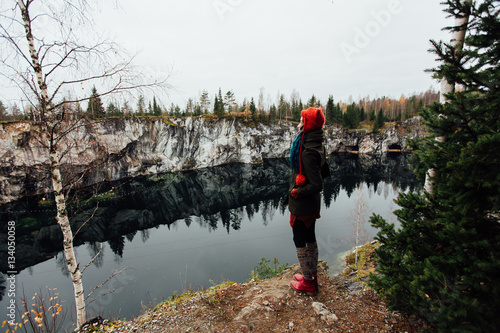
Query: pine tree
pixel 141 105
pixel 312 102
pixel 337 114
pixel 330 111
pixel 371 115
pixel 351 117
pixel 282 106
pixel 156 108
pixel 95 107
pixel 111 109
pixel 443 262
pixel 3 111
pixel 219 105
pixel 253 110
pixel 379 121
pixel 216 105
pixel 296 110
pixel 273 112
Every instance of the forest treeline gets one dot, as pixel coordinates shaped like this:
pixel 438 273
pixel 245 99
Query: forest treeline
pixel 350 114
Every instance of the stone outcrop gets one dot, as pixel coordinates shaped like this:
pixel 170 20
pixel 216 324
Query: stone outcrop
pixel 271 305
pixel 113 149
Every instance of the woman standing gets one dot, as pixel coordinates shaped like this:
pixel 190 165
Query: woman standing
pixel 307 156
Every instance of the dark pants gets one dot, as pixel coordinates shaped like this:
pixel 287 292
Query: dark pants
pixel 303 234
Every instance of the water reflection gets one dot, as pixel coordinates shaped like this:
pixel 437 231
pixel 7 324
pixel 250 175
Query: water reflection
pixel 215 198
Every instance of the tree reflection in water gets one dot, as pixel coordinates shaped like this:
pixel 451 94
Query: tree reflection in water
pixel 213 198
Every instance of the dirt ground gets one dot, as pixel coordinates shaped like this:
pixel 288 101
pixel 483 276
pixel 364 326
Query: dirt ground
pixel 272 306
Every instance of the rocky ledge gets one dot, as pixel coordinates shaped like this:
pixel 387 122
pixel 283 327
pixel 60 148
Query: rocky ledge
pixel 272 306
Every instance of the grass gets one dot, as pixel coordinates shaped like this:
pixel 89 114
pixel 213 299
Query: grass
pixel 265 269
pixel 189 294
pixel 366 263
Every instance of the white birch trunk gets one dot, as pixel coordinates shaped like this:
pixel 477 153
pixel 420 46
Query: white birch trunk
pixel 35 61
pixel 457 41
pixel 69 253
pixel 57 186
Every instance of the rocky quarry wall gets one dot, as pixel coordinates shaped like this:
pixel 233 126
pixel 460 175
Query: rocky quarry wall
pixel 113 149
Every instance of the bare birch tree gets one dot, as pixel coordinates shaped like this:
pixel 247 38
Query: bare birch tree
pixel 43 56
pixel 358 219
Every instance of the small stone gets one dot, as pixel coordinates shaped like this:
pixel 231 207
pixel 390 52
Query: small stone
pixel 325 314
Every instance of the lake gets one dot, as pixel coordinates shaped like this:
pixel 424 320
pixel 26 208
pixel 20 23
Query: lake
pixel 189 230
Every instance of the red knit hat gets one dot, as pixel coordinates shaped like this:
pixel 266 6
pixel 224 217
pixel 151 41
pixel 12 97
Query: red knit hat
pixel 313 119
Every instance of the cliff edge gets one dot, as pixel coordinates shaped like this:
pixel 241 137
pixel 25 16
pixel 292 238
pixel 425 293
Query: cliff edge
pixel 114 149
pixel 272 306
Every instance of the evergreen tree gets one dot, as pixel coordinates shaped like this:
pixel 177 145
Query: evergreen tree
pixel 150 109
pixel 141 105
pixel 219 105
pixel 177 111
pixel 78 110
pixel 372 116
pixel 253 110
pixel 379 121
pixel 216 105
pixel 411 106
pixel 330 111
pixel 3 111
pixel 156 108
pixel 282 107
pixel 444 260
pixel 362 114
pixel 272 112
pixel 111 110
pixel 351 117
pixel 95 109
pixel 337 114
pixel 171 110
pixel 197 110
pixel 296 109
pixel 312 102
pixel 190 106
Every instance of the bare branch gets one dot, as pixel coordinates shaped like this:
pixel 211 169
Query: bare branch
pixel 100 248
pixel 83 224
pixel 16 46
pixel 102 284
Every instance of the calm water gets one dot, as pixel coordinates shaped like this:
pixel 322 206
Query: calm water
pixel 190 230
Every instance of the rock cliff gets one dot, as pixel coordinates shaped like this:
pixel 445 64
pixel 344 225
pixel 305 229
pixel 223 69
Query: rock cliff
pixel 113 149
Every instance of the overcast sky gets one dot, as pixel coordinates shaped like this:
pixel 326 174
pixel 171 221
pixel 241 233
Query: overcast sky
pixel 323 47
